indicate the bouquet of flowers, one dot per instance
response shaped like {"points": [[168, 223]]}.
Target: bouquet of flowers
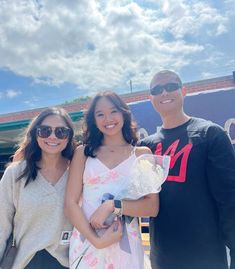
{"points": [[147, 175]]}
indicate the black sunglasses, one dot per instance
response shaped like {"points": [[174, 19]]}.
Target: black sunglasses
{"points": [[44, 131], [169, 87]]}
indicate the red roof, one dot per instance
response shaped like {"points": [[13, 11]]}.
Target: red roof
{"points": [[192, 87]]}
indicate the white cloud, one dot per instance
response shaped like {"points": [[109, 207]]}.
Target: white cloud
{"points": [[192, 18], [104, 44], [32, 102], [10, 94]]}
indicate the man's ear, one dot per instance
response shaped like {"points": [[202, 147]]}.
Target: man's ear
{"points": [[184, 91]]}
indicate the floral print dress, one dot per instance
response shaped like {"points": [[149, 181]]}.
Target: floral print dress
{"points": [[99, 181]]}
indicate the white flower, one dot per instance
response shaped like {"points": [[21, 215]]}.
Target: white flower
{"points": [[146, 176]]}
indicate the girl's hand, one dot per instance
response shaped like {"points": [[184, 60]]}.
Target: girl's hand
{"points": [[112, 235], [98, 218]]}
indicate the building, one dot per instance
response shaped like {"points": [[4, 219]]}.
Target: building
{"points": [[212, 99]]}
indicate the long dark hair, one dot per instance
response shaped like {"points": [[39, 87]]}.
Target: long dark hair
{"points": [[93, 138], [29, 149]]}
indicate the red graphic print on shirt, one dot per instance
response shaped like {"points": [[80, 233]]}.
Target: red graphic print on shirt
{"points": [[171, 151]]}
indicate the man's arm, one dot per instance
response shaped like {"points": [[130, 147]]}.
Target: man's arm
{"points": [[221, 176]]}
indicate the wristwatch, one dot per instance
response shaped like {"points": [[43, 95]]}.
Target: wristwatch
{"points": [[117, 207]]}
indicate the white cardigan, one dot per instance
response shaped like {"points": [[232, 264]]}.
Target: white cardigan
{"points": [[39, 219]]}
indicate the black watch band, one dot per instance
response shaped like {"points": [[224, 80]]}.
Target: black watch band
{"points": [[117, 207]]}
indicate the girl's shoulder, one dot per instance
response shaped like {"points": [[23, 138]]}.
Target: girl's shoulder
{"points": [[12, 172], [16, 166], [142, 150], [79, 153], [80, 149]]}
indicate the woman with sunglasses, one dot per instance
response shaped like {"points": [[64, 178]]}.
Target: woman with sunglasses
{"points": [[32, 193], [98, 171]]}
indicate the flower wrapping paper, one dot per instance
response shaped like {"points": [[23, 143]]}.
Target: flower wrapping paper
{"points": [[147, 175]]}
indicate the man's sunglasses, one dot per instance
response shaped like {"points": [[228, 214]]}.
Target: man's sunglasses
{"points": [[169, 87], [45, 131]]}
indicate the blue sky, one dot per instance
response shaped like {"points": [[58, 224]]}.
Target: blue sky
{"points": [[55, 51]]}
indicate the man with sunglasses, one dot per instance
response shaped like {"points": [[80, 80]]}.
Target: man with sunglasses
{"points": [[197, 202]]}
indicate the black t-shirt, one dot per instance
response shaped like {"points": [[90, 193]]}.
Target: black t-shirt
{"points": [[197, 202]]}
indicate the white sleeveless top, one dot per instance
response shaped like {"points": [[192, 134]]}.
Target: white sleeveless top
{"points": [[98, 180]]}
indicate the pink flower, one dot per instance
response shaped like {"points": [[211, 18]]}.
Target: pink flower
{"points": [[134, 233], [75, 234], [93, 262], [88, 257], [94, 180], [111, 177]]}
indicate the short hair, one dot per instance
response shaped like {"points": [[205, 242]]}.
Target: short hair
{"points": [[165, 73]]}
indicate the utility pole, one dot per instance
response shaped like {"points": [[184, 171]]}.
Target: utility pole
{"points": [[131, 85]]}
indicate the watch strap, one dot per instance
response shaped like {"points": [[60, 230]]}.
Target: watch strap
{"points": [[118, 208]]}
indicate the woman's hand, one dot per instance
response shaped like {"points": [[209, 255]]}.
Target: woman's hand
{"points": [[112, 235], [98, 218]]}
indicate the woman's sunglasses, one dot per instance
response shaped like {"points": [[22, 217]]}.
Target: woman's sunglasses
{"points": [[169, 87], [45, 131]]}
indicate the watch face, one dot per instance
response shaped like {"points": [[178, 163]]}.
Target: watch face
{"points": [[117, 204]]}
